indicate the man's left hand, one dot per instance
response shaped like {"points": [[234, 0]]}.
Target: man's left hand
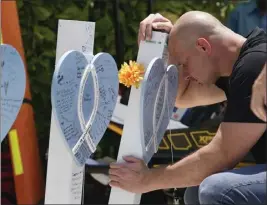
{"points": [[130, 176]]}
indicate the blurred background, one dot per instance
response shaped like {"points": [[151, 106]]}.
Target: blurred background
{"points": [[117, 24]]}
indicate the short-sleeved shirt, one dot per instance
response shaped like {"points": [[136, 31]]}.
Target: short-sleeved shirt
{"points": [[238, 86]]}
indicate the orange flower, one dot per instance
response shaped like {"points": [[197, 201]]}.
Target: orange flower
{"points": [[131, 74]]}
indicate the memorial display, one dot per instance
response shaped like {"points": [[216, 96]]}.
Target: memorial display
{"points": [[149, 108]]}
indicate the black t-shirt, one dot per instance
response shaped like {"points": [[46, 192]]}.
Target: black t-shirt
{"points": [[238, 86]]}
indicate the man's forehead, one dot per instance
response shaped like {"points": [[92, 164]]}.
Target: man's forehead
{"points": [[176, 52]]}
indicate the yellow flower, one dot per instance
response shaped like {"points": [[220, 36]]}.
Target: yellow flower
{"points": [[131, 74]]}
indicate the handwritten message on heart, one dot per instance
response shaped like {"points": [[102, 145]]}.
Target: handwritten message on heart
{"points": [[13, 83], [84, 96], [158, 95]]}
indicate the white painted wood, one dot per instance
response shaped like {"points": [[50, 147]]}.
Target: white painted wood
{"points": [[64, 182], [131, 136]]}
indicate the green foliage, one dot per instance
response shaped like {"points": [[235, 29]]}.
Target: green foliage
{"points": [[173, 9], [39, 18]]}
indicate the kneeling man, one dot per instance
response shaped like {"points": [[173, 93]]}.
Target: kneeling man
{"points": [[215, 64]]}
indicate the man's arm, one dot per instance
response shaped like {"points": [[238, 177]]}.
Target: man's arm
{"points": [[258, 101], [225, 150]]}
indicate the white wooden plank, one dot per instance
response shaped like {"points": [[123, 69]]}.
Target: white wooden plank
{"points": [[64, 178], [131, 138]]}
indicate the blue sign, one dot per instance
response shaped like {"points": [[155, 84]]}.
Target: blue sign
{"points": [[13, 83]]}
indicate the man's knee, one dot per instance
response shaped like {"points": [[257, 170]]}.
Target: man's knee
{"points": [[207, 193], [210, 190], [191, 196], [239, 186]]}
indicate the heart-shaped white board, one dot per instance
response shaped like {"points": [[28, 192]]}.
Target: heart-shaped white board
{"points": [[84, 96], [158, 93], [171, 78], [13, 83]]}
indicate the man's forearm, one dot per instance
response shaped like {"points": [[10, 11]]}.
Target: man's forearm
{"points": [[190, 171], [262, 76]]}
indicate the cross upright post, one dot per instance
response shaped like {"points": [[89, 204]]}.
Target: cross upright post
{"points": [[64, 182], [131, 140]]}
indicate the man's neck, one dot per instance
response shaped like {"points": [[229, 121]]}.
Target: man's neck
{"points": [[231, 53]]}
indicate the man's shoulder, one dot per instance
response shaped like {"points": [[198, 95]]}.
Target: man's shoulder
{"points": [[251, 62], [252, 57], [247, 69]]}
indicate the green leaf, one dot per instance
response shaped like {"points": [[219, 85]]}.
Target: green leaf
{"points": [[35, 89], [34, 3], [43, 77], [20, 4], [44, 33], [71, 12], [104, 25], [33, 68], [141, 7], [122, 17], [129, 39], [41, 13], [49, 53]]}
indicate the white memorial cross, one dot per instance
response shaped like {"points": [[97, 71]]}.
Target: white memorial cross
{"points": [[84, 94], [149, 109], [13, 84]]}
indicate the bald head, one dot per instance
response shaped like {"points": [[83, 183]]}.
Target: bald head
{"points": [[197, 41], [195, 24]]}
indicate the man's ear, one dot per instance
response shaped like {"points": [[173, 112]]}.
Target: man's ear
{"points": [[203, 45]]}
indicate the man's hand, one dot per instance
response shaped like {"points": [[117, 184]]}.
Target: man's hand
{"points": [[129, 176], [258, 101], [153, 21]]}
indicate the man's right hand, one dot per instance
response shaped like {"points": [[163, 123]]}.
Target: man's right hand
{"points": [[153, 21]]}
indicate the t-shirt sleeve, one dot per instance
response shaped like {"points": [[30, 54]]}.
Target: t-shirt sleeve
{"points": [[239, 99]]}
